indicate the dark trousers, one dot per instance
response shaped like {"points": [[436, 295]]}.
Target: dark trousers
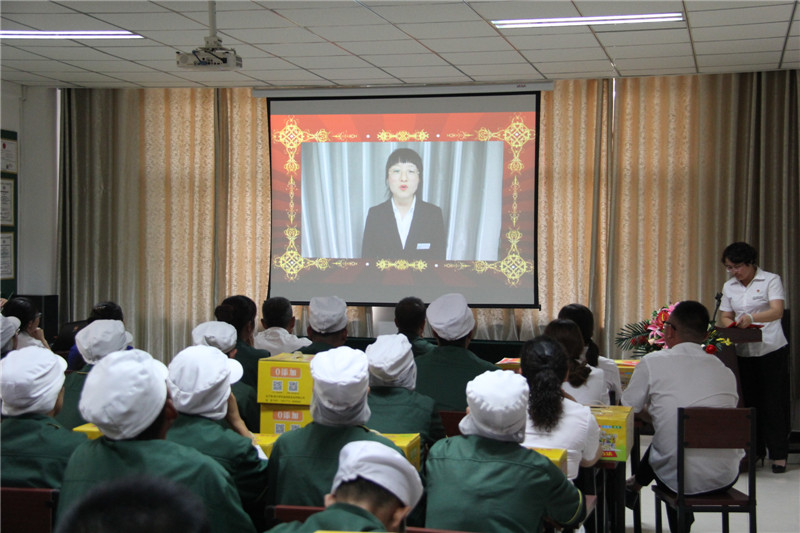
{"points": [[645, 476], [765, 386]]}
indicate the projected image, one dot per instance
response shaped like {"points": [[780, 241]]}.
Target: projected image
{"points": [[377, 199], [415, 201]]}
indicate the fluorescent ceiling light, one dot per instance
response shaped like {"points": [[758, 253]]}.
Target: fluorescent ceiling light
{"points": [[72, 35], [587, 21]]}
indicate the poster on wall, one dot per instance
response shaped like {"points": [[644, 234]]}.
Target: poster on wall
{"points": [[7, 202], [7, 256], [9, 154]]}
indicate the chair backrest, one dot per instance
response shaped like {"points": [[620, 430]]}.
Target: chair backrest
{"points": [[28, 510], [450, 420], [291, 513]]}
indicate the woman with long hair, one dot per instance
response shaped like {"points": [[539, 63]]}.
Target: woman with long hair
{"points": [[585, 383]]}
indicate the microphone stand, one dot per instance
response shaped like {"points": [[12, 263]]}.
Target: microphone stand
{"points": [[718, 298]]}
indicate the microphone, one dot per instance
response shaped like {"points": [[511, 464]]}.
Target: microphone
{"points": [[718, 298]]}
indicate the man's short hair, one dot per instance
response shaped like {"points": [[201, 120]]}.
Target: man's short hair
{"points": [[691, 317], [740, 253], [368, 493], [409, 315], [277, 312], [136, 504]]}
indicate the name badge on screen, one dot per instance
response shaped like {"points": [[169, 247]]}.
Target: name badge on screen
{"points": [[423, 246]]}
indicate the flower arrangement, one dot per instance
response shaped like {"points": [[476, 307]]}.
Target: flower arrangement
{"points": [[648, 335]]}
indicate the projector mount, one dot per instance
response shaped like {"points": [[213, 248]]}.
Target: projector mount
{"points": [[212, 55]]}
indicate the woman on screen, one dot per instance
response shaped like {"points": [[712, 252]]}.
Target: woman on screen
{"points": [[404, 227]]}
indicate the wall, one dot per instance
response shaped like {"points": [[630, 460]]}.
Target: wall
{"points": [[33, 113]]}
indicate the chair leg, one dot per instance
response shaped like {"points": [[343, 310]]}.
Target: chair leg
{"points": [[753, 524], [726, 527], [681, 519], [658, 515], [637, 516]]}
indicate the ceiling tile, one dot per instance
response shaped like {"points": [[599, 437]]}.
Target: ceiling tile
{"points": [[565, 54], [53, 22], [575, 66], [516, 72], [650, 50], [589, 8], [745, 31], [621, 38], [747, 15], [410, 13], [273, 36], [384, 47], [738, 45], [405, 60], [654, 62], [549, 42], [304, 50], [483, 58], [762, 58], [330, 62], [353, 74], [366, 32], [524, 9], [249, 19], [419, 72], [479, 44], [331, 16], [444, 30]]}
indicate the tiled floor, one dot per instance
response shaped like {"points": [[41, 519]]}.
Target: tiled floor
{"points": [[778, 497]]}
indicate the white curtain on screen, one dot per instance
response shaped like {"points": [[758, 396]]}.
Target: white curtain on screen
{"points": [[341, 181]]}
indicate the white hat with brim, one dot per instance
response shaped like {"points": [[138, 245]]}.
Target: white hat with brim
{"points": [[30, 381], [100, 338], [498, 406], [450, 317], [200, 379], [379, 464], [124, 393], [9, 326], [327, 314], [220, 335]]}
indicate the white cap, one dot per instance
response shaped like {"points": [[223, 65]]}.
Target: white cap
{"points": [[100, 338], [30, 380], [9, 326], [124, 393], [498, 406], [391, 362], [220, 335], [381, 465], [341, 377], [450, 316], [327, 314], [200, 379]]}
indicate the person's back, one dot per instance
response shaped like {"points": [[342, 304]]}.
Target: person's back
{"points": [[593, 391], [278, 322], [35, 447]]}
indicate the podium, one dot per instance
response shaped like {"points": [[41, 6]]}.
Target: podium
{"points": [[728, 353]]}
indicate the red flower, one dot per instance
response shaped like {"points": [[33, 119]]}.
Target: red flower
{"points": [[710, 348]]}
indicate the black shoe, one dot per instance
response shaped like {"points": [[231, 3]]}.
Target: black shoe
{"points": [[631, 498], [776, 469]]}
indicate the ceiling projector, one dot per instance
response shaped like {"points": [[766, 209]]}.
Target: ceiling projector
{"points": [[209, 59]]}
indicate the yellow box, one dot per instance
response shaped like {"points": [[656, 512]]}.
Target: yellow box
{"points": [[276, 418], [90, 430], [509, 363], [409, 443], [285, 379], [557, 455], [625, 367], [616, 431], [266, 440]]}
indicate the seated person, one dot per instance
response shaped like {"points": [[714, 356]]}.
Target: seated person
{"points": [[409, 317], [327, 324], [10, 330], [199, 383], [303, 461], [222, 336], [94, 342], [553, 420], [443, 372], [135, 505], [585, 384], [125, 395], [101, 311], [484, 481], [682, 375], [30, 334], [582, 315], [35, 447], [374, 489], [396, 407], [240, 312], [278, 322]]}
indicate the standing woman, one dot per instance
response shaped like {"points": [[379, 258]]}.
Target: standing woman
{"points": [[404, 227], [240, 312], [753, 296]]}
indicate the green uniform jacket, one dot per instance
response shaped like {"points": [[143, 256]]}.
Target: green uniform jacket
{"points": [[69, 416], [443, 375], [233, 451], [35, 450], [249, 356], [315, 348], [303, 462], [479, 484], [420, 346], [248, 405], [103, 460], [399, 410], [337, 517]]}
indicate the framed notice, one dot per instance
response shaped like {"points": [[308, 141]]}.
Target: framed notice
{"points": [[7, 202], [8, 156], [6, 255]]}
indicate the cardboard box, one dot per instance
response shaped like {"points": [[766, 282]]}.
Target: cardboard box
{"points": [[278, 418], [509, 363], [409, 443], [616, 431], [90, 430], [557, 455], [266, 440], [285, 379], [625, 367]]}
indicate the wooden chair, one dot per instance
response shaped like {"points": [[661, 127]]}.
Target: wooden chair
{"points": [[712, 428], [28, 510], [450, 420]]}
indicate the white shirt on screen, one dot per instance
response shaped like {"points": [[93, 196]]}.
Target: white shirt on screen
{"points": [[404, 221]]}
